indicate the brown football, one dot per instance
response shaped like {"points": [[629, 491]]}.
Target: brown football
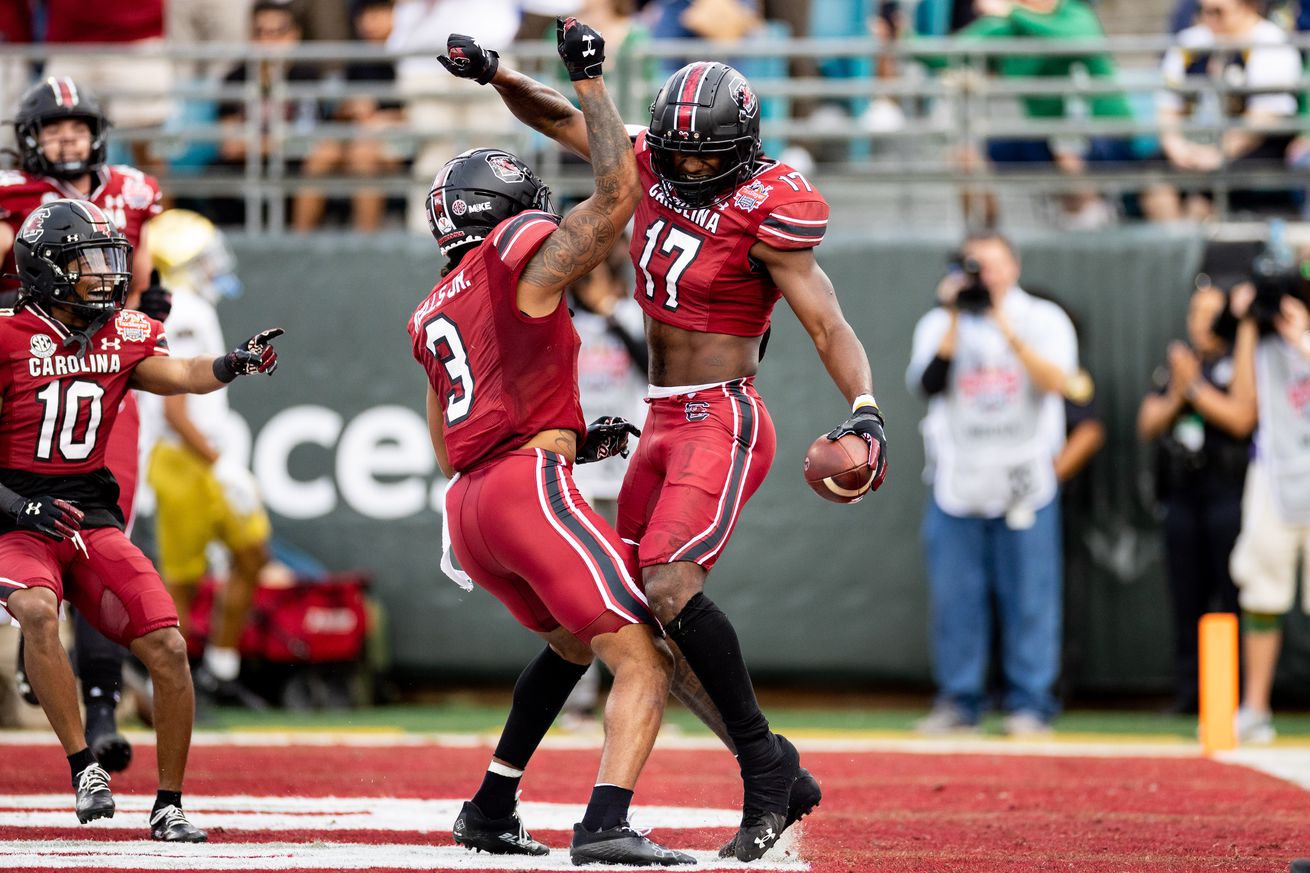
{"points": [[838, 470]]}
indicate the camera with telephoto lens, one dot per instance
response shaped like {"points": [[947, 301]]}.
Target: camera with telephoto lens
{"points": [[1274, 279], [974, 296]]}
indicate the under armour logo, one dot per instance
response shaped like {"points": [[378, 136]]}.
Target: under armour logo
{"points": [[766, 838], [33, 509], [108, 343], [588, 51]]}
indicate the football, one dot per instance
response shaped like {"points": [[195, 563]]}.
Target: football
{"points": [[838, 470]]}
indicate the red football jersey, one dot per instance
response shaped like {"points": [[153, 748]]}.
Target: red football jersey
{"points": [[502, 376], [693, 266], [104, 20], [129, 197], [58, 409]]}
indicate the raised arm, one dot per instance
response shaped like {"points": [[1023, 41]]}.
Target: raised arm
{"points": [[541, 108], [587, 233]]}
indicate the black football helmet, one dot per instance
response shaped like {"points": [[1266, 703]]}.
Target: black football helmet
{"points": [[64, 240], [706, 109], [54, 99], [476, 191]]}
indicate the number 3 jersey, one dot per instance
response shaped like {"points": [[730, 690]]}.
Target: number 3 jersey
{"points": [[59, 408], [693, 266], [502, 377]]}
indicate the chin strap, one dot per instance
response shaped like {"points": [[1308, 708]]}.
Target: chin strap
{"points": [[83, 337]]}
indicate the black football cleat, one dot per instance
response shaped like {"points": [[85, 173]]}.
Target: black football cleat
{"points": [[765, 804], [93, 797], [111, 749], [499, 836], [621, 845], [805, 796], [169, 824]]}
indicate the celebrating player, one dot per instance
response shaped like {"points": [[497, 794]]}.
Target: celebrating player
{"points": [[721, 233], [62, 137], [70, 352], [501, 355]]}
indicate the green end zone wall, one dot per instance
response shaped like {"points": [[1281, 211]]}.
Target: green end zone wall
{"points": [[817, 591]]}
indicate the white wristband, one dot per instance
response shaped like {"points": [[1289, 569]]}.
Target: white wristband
{"points": [[864, 400]]}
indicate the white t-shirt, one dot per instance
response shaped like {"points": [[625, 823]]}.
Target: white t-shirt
{"points": [[1271, 64], [425, 25], [991, 437], [193, 329]]}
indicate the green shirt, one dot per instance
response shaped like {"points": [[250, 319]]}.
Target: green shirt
{"points": [[1071, 19]]}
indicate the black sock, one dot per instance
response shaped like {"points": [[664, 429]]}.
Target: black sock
{"points": [[496, 795], [79, 761], [607, 808], [166, 798], [539, 695], [709, 643]]}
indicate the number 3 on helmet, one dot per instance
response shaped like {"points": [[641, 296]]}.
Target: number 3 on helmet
{"points": [[706, 109]]}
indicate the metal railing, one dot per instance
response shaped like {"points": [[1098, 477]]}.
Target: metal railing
{"points": [[941, 114]]}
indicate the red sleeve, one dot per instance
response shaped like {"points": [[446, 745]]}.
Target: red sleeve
{"points": [[795, 224], [517, 238]]}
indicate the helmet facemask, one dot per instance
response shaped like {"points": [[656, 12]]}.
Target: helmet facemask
{"points": [[697, 192], [92, 280], [38, 163]]}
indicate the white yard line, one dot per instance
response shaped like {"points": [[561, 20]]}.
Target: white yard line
{"points": [[1290, 764], [327, 814], [148, 855]]}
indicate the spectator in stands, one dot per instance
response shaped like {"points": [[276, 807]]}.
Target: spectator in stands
{"points": [[720, 20], [1200, 467], [360, 156], [192, 22], [442, 123], [15, 73], [271, 25], [323, 20], [1271, 68], [1047, 19], [138, 24], [994, 362]]}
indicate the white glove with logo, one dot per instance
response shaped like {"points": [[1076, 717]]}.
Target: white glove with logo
{"points": [[239, 486]]}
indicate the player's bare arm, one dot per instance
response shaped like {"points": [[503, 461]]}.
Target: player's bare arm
{"points": [[542, 108], [586, 235], [201, 375], [809, 293]]}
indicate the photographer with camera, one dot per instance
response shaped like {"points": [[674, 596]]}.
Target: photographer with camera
{"points": [[1201, 458], [1271, 387], [994, 362]]}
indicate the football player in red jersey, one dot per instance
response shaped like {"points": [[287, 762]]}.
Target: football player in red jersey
{"points": [[501, 355], [721, 234], [62, 137], [69, 352]]}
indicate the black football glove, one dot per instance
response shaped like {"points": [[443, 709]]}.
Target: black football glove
{"points": [[156, 301], [466, 59], [255, 355], [55, 518], [581, 48], [867, 422], [606, 437]]}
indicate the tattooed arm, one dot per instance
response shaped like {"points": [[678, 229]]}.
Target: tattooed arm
{"points": [[543, 109], [586, 235]]}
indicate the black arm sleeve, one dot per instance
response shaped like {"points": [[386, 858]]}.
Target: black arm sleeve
{"points": [[934, 376]]}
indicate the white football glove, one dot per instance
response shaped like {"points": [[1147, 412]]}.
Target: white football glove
{"points": [[239, 486]]}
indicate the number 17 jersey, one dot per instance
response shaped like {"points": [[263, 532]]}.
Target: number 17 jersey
{"points": [[693, 266]]}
